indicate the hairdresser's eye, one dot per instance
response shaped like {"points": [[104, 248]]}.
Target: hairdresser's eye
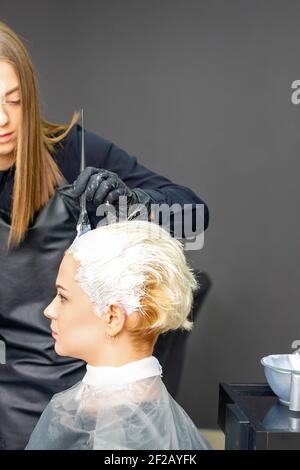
{"points": [[14, 102]]}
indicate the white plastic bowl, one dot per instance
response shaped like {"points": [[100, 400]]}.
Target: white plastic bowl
{"points": [[278, 371]]}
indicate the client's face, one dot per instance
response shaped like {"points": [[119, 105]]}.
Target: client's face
{"points": [[77, 331]]}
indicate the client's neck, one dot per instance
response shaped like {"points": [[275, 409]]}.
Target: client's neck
{"points": [[118, 352]]}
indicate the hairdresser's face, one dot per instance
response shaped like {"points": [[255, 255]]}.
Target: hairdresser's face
{"points": [[77, 331], [10, 114]]}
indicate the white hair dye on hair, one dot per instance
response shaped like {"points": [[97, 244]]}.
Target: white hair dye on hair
{"points": [[108, 272], [117, 259]]}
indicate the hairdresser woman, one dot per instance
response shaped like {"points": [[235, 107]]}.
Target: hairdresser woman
{"points": [[39, 162]]}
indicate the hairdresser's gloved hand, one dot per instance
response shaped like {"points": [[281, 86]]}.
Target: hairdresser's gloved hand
{"points": [[101, 186]]}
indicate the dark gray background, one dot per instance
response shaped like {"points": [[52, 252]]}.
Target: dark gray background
{"points": [[199, 91]]}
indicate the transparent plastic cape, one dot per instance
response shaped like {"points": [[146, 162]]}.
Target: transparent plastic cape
{"points": [[137, 415]]}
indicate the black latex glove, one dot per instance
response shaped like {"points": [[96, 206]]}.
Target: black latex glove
{"points": [[101, 186]]}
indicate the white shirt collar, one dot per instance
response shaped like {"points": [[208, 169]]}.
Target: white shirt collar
{"points": [[131, 372]]}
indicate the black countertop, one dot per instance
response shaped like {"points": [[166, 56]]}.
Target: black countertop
{"points": [[252, 417]]}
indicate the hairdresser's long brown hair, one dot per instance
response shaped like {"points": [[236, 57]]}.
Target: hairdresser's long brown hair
{"points": [[36, 174]]}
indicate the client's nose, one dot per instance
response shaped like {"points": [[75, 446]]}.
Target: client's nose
{"points": [[49, 311]]}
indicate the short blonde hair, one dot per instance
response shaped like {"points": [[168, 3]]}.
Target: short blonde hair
{"points": [[139, 265]]}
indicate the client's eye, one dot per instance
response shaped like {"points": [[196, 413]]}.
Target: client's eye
{"points": [[61, 297]]}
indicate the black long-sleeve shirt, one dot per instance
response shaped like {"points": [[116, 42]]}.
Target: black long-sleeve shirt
{"points": [[101, 153]]}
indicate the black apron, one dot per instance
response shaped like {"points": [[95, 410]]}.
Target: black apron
{"points": [[33, 371]]}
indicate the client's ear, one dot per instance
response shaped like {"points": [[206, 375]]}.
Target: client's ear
{"points": [[115, 319]]}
